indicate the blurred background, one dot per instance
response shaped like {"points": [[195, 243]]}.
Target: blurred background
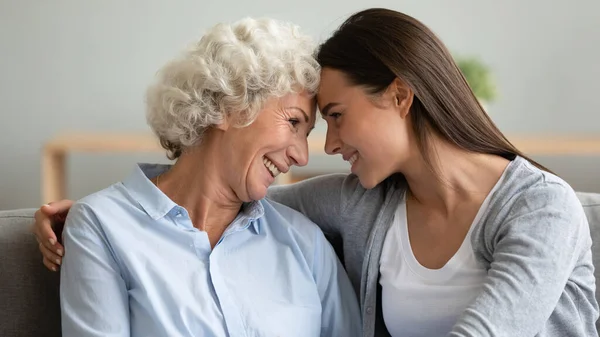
{"points": [[82, 66]]}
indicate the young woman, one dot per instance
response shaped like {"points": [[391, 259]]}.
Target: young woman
{"points": [[444, 227]]}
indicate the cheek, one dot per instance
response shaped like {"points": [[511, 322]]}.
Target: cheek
{"points": [[250, 152], [237, 160], [364, 137], [385, 142]]}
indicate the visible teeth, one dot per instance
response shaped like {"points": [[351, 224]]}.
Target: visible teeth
{"points": [[272, 168], [353, 159]]}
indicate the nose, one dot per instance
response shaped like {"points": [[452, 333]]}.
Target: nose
{"points": [[333, 145], [298, 152]]}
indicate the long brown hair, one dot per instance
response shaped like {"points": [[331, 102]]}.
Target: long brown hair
{"points": [[374, 46]]}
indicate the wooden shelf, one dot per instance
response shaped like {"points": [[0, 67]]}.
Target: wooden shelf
{"points": [[557, 145], [57, 149], [104, 142]]}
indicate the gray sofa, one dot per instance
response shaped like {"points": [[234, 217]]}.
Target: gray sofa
{"points": [[29, 303]]}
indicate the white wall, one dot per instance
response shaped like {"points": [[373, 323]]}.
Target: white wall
{"points": [[83, 65]]}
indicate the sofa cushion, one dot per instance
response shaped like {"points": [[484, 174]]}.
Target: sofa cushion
{"points": [[591, 205], [29, 302]]}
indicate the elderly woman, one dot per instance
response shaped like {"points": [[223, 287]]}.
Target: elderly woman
{"points": [[194, 249]]}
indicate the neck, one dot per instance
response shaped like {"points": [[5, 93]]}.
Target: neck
{"points": [[456, 176], [195, 183]]}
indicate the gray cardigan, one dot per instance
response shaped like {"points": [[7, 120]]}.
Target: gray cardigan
{"points": [[533, 240]]}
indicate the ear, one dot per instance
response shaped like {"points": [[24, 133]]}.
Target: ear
{"points": [[402, 96]]}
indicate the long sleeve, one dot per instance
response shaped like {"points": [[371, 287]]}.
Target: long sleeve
{"points": [[93, 293], [341, 313], [540, 260], [321, 199]]}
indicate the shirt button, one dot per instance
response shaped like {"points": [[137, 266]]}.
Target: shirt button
{"points": [[369, 310]]}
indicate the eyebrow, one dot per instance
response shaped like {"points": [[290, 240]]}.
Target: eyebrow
{"points": [[306, 119], [328, 107]]}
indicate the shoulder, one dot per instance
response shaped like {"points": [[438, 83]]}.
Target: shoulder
{"points": [[280, 215], [532, 202], [91, 211], [103, 200], [285, 224], [527, 188]]}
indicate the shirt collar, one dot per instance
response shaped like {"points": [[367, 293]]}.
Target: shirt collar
{"points": [[253, 211], [156, 204], [153, 201]]}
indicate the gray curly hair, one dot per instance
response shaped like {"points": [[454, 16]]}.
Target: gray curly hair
{"points": [[229, 73]]}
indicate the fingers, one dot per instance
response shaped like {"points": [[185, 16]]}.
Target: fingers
{"points": [[46, 232], [45, 218], [50, 256], [50, 265], [47, 240], [60, 208], [42, 228]]}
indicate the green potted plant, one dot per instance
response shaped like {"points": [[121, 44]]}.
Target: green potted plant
{"points": [[479, 77]]}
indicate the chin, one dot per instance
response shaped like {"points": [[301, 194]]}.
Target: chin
{"points": [[369, 181], [257, 192]]}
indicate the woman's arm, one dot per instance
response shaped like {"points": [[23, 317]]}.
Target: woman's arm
{"points": [[93, 293], [534, 252], [322, 199]]}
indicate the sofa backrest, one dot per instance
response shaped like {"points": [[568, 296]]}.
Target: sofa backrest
{"points": [[591, 205], [29, 302], [29, 299]]}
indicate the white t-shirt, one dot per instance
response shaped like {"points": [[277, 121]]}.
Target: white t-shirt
{"points": [[422, 302]]}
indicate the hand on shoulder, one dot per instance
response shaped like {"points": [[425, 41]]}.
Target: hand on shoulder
{"points": [[47, 228]]}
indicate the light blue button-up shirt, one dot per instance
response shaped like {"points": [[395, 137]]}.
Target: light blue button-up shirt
{"points": [[136, 266]]}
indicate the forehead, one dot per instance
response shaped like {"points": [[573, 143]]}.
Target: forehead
{"points": [[333, 87], [334, 76], [303, 101]]}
